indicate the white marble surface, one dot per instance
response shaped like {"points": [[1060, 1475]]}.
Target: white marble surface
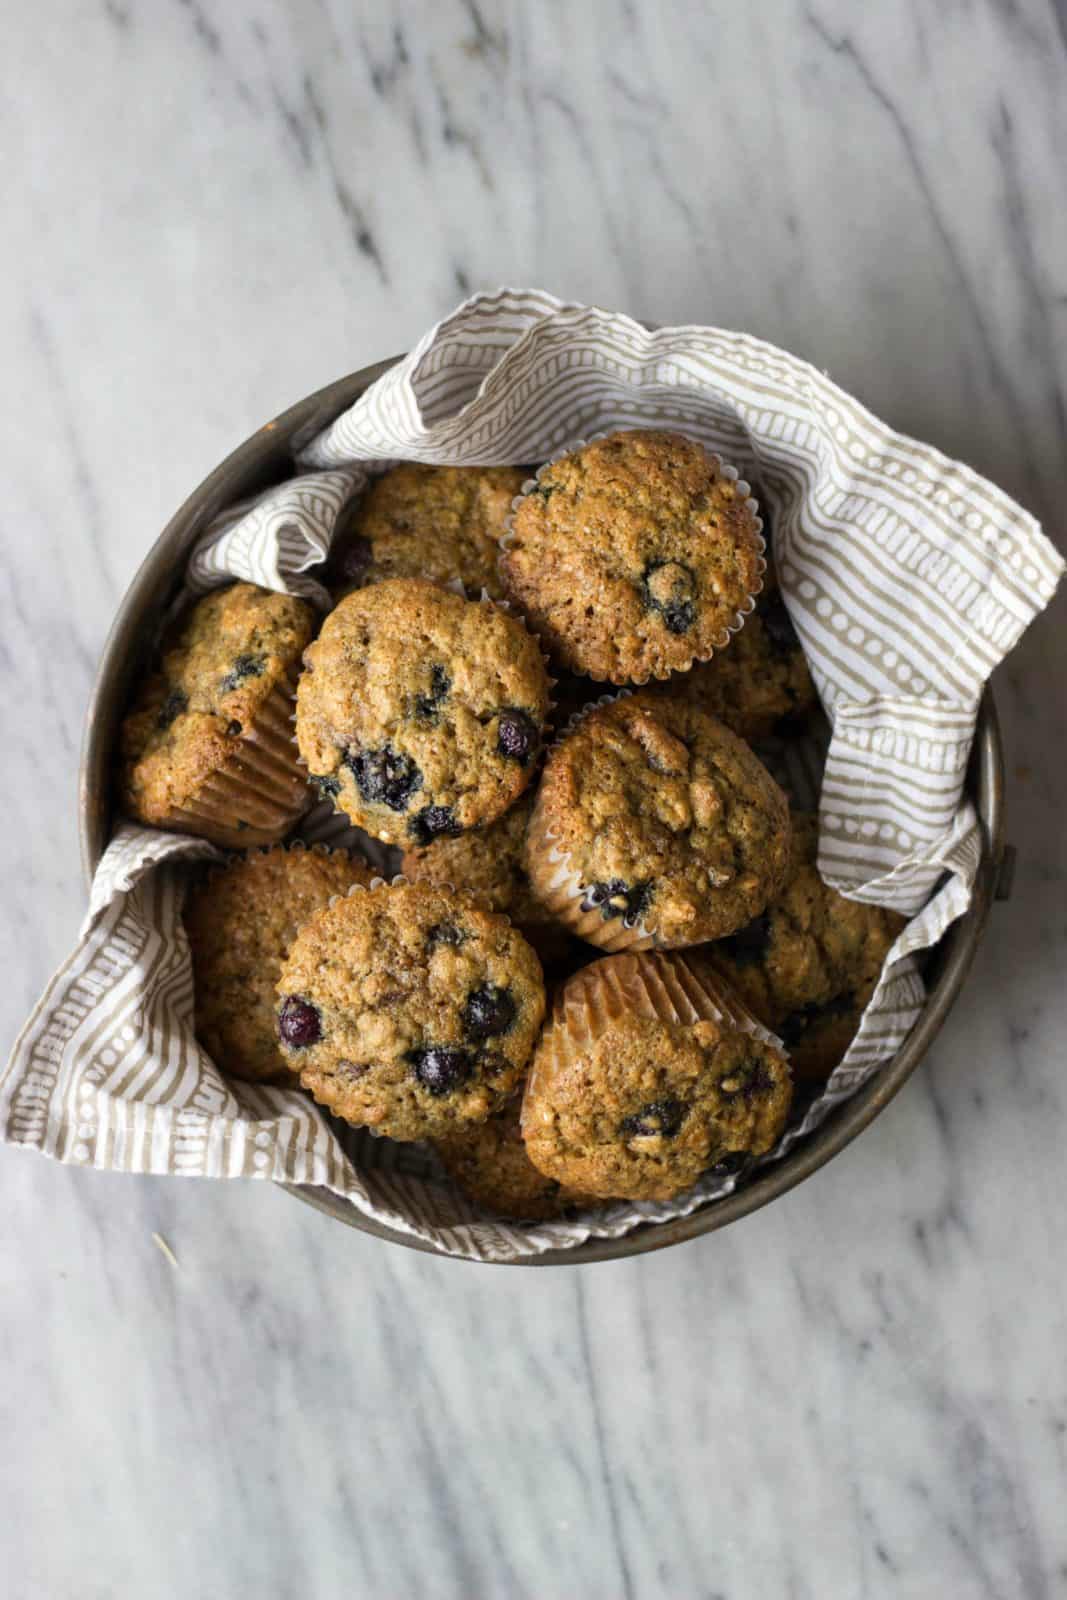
{"points": [[210, 210]]}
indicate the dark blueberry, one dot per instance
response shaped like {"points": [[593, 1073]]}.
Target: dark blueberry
{"points": [[545, 490], [488, 1011], [517, 736], [797, 1023], [327, 787], [244, 667], [425, 706], [444, 933], [352, 561], [615, 899], [734, 1162], [299, 1023], [440, 1068], [669, 588], [384, 777], [433, 821], [779, 627], [749, 944], [664, 1117], [234, 728], [172, 707], [747, 1080]]}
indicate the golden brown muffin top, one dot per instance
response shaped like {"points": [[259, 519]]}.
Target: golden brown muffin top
{"points": [[441, 523], [220, 662], [421, 713], [808, 965], [241, 921], [633, 556], [758, 685], [636, 1106], [409, 1010], [488, 1162], [669, 821]]}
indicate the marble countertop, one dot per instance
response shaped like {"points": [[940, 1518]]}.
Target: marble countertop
{"points": [[860, 1391]]}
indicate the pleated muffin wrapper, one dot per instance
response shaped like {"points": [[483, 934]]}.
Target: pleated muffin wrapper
{"points": [[662, 986], [260, 792], [723, 470]]}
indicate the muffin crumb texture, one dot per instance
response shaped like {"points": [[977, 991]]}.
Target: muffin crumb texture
{"points": [[632, 1095], [409, 1010], [808, 965], [633, 556], [241, 921], [420, 713], [655, 823], [440, 523]]}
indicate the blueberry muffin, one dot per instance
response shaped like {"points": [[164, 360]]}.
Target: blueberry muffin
{"points": [[645, 1078], [488, 864], [419, 712], [441, 523], [633, 556], [654, 824], [207, 747], [760, 684], [241, 920], [808, 965], [488, 1162], [409, 1010]]}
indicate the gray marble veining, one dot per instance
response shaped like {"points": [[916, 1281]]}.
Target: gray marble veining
{"points": [[861, 1391]]}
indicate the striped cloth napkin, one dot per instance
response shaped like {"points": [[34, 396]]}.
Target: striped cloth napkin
{"points": [[908, 578]]}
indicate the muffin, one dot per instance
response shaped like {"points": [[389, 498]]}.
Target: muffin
{"points": [[654, 824], [488, 864], [419, 712], [488, 1162], [441, 523], [208, 746], [634, 556], [760, 685], [409, 1010], [808, 965], [241, 920], [646, 1077]]}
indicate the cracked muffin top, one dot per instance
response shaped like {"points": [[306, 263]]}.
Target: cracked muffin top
{"points": [[220, 663], [758, 685], [419, 712], [441, 523], [665, 818], [808, 965], [241, 921], [409, 1010], [623, 1104], [632, 556]]}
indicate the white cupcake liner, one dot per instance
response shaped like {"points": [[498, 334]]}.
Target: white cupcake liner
{"points": [[725, 470]]}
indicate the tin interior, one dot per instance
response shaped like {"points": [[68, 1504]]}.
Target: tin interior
{"points": [[266, 458]]}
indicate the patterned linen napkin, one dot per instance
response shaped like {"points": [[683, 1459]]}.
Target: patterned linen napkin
{"points": [[908, 578]]}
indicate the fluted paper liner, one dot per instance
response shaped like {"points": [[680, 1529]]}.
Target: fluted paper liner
{"points": [[908, 578], [666, 986], [261, 791]]}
